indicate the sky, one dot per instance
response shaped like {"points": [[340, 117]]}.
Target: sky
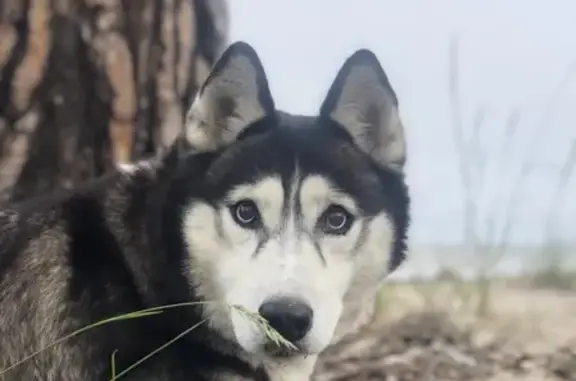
{"points": [[516, 62]]}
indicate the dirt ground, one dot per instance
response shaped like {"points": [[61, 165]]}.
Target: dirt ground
{"points": [[434, 333]]}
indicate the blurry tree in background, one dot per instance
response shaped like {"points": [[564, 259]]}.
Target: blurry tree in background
{"points": [[489, 218], [87, 83]]}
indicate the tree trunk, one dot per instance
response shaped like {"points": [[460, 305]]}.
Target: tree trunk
{"points": [[87, 83]]}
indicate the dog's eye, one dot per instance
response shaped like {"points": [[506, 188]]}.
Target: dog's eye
{"points": [[336, 220], [245, 213]]}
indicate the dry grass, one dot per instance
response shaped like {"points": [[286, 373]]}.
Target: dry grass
{"points": [[431, 331], [521, 312]]}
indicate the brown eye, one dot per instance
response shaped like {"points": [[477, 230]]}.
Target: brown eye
{"points": [[246, 214], [336, 220]]}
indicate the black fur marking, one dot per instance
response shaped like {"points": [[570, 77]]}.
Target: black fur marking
{"points": [[319, 251], [261, 244], [364, 230]]}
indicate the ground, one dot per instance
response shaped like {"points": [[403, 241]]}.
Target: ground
{"points": [[435, 332]]}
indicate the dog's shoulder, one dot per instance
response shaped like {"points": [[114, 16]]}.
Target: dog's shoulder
{"points": [[52, 216]]}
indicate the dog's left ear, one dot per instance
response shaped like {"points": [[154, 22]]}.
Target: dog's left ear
{"points": [[233, 97], [362, 102]]}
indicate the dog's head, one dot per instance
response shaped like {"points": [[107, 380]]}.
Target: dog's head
{"points": [[297, 218]]}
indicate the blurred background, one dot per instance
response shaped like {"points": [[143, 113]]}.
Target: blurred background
{"points": [[487, 92]]}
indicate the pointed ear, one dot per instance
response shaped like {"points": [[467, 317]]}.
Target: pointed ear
{"points": [[234, 96], [362, 102]]}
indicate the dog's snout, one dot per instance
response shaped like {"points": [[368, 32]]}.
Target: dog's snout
{"points": [[292, 318]]}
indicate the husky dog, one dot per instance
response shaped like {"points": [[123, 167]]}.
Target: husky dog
{"points": [[296, 218]]}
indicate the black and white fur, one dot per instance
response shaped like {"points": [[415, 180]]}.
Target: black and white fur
{"points": [[300, 218]]}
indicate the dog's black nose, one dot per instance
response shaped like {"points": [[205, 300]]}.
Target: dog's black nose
{"points": [[292, 318]]}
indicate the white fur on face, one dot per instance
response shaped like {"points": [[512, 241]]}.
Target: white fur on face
{"points": [[231, 264]]}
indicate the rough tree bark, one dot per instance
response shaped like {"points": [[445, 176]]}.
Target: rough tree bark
{"points": [[86, 83]]}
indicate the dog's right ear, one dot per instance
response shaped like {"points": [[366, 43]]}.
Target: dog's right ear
{"points": [[235, 95]]}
